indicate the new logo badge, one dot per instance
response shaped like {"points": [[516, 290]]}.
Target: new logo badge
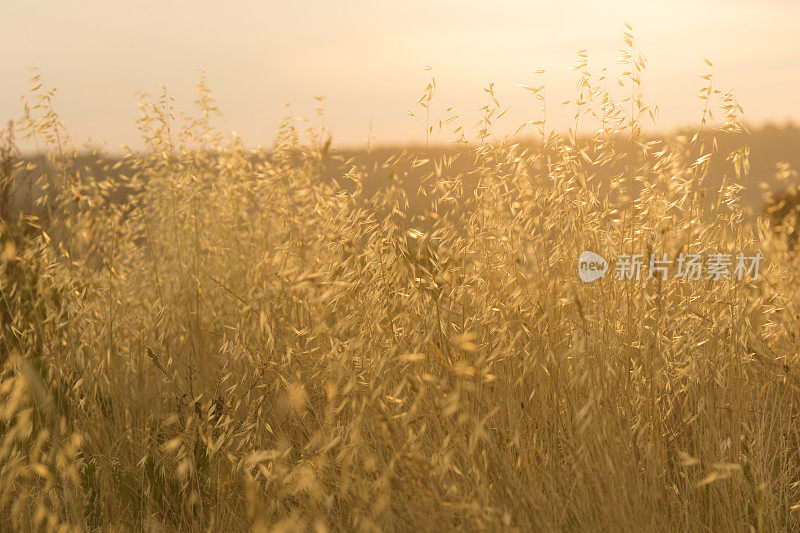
{"points": [[591, 266]]}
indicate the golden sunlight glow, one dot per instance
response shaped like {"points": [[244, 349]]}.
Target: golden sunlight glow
{"points": [[368, 58]]}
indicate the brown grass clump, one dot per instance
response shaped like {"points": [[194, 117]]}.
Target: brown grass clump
{"points": [[8, 157], [223, 340]]}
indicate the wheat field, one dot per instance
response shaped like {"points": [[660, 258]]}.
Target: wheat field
{"points": [[200, 336]]}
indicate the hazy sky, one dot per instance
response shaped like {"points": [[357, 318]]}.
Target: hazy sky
{"points": [[368, 57]]}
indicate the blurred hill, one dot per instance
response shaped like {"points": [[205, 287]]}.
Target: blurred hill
{"points": [[773, 149]]}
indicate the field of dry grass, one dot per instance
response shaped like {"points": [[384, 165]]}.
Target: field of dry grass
{"points": [[245, 341]]}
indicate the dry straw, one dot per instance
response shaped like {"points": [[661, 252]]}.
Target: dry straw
{"points": [[198, 336]]}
